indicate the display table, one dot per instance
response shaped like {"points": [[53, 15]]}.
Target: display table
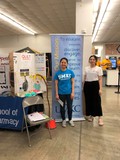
{"points": [[11, 113], [112, 77]]}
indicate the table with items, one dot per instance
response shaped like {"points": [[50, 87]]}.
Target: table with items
{"points": [[11, 112]]}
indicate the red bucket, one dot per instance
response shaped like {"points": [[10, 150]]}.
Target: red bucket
{"points": [[51, 124]]}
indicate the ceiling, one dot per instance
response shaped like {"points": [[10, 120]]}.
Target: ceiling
{"points": [[109, 30], [43, 16], [54, 16]]}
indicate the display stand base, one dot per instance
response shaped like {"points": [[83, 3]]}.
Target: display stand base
{"points": [[118, 82], [117, 92]]}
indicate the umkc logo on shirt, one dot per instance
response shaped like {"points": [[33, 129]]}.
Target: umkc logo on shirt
{"points": [[64, 76]]}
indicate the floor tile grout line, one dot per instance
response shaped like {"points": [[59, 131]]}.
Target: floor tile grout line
{"points": [[80, 140]]}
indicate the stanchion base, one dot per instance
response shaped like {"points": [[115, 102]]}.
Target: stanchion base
{"points": [[117, 92]]}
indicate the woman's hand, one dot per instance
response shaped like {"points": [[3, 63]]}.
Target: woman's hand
{"points": [[100, 92], [57, 96], [72, 95]]}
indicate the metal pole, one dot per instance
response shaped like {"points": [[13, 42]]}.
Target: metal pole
{"points": [[118, 81]]}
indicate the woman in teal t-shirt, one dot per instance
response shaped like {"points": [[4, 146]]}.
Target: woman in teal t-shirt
{"points": [[64, 88]]}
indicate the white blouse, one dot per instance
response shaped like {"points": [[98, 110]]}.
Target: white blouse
{"points": [[92, 74]]}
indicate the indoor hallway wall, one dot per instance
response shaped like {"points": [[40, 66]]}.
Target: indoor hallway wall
{"points": [[84, 26], [39, 43], [102, 50]]}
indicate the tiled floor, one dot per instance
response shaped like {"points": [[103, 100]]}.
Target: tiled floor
{"points": [[86, 141]]}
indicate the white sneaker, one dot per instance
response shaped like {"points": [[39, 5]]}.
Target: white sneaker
{"points": [[71, 123], [64, 123]]}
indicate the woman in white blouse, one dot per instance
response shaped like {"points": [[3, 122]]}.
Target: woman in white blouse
{"points": [[93, 90]]}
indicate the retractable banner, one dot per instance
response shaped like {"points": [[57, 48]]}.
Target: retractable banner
{"points": [[71, 47]]}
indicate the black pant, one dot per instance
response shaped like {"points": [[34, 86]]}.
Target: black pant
{"points": [[92, 99], [66, 98]]}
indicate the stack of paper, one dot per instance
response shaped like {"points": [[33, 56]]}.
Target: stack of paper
{"points": [[36, 116], [60, 102]]}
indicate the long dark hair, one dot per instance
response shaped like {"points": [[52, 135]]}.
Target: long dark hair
{"points": [[93, 57], [64, 59]]}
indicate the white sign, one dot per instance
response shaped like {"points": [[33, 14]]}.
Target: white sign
{"points": [[4, 75]]}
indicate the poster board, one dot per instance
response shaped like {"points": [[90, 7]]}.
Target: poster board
{"points": [[4, 75], [23, 69], [40, 68]]}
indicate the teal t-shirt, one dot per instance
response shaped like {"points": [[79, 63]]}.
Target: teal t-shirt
{"points": [[64, 81]]}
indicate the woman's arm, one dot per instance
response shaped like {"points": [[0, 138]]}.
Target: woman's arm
{"points": [[100, 85], [84, 80], [73, 83], [56, 89]]}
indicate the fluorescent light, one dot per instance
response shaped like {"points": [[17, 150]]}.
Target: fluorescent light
{"points": [[95, 5], [100, 17], [16, 24]]}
